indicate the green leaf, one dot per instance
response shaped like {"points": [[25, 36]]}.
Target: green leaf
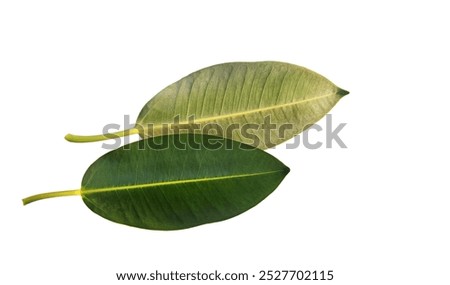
{"points": [[258, 103], [177, 181]]}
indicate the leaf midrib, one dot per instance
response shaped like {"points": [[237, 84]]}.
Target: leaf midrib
{"points": [[166, 183], [243, 113]]}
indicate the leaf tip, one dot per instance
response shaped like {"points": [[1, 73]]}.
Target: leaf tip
{"points": [[342, 92], [286, 170]]}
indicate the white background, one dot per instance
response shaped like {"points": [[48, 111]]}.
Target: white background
{"points": [[375, 213]]}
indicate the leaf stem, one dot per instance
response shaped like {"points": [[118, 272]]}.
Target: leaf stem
{"points": [[41, 196], [102, 137]]}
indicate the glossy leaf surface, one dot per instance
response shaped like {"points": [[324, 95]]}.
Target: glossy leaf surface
{"points": [[179, 181]]}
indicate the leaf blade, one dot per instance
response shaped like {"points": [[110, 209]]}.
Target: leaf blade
{"points": [[218, 184], [242, 93]]}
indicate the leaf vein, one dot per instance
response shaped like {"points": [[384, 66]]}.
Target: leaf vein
{"points": [[166, 183]]}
